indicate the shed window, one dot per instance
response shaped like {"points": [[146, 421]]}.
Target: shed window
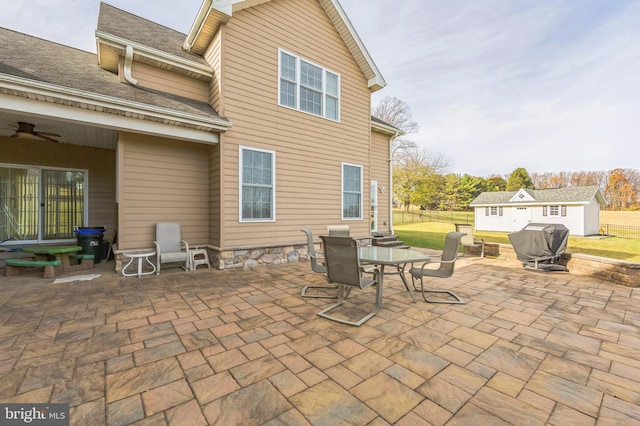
{"points": [[493, 211]]}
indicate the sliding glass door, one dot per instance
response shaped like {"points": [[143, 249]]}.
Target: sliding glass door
{"points": [[41, 204]]}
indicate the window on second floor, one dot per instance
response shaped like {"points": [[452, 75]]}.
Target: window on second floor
{"points": [[257, 185], [308, 87]]}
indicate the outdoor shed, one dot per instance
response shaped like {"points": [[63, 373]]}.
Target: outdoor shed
{"points": [[577, 208]]}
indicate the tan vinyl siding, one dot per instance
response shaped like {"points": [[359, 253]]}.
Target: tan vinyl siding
{"points": [[380, 173], [162, 180], [100, 163], [169, 82], [213, 55], [309, 150], [215, 180]]}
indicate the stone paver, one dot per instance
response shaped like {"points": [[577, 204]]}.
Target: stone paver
{"points": [[241, 347]]}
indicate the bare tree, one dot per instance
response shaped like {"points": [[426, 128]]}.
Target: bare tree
{"points": [[397, 113]]}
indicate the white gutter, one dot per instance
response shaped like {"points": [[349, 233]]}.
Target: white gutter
{"points": [[197, 25], [128, 60], [46, 90], [155, 54]]}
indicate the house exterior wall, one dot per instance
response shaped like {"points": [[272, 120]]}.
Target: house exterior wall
{"points": [[169, 82], [380, 167], [100, 164], [309, 150], [161, 180]]}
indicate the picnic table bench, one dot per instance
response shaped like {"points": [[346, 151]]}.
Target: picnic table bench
{"points": [[15, 266], [55, 259]]}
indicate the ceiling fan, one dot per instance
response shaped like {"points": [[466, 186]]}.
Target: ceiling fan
{"points": [[27, 131]]}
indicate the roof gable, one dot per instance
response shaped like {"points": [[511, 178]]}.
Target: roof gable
{"points": [[521, 195], [214, 13]]}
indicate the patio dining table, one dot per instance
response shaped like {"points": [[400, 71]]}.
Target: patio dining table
{"points": [[383, 256]]}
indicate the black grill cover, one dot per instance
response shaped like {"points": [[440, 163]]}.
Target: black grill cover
{"points": [[540, 242]]}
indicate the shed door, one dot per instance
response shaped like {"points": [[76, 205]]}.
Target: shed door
{"points": [[521, 217]]}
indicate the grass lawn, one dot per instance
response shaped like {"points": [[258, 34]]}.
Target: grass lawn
{"points": [[431, 235]]}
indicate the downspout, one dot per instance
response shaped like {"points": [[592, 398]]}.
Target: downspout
{"points": [[128, 61], [390, 160]]}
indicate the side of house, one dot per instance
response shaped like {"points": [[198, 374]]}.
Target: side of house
{"points": [[244, 130]]}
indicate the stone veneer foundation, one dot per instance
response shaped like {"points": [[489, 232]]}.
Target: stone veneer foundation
{"points": [[249, 258]]}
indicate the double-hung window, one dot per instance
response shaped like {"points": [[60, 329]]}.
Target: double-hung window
{"points": [[257, 185], [351, 191], [308, 87]]}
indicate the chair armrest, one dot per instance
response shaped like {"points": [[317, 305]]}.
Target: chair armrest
{"points": [[437, 262], [155, 243], [185, 244]]}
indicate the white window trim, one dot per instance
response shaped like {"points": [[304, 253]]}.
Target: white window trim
{"points": [[273, 184], [555, 207], [298, 84], [359, 166]]}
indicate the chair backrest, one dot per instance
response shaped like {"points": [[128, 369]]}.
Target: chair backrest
{"points": [[341, 259], [168, 236], [338, 230], [466, 240], [450, 253], [315, 266]]}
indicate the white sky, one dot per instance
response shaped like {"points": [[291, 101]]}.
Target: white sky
{"points": [[549, 85]]}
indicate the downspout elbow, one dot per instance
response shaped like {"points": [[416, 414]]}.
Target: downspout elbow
{"points": [[128, 61]]}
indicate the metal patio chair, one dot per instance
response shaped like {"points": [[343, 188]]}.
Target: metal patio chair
{"points": [[338, 230], [170, 247], [445, 270], [317, 266], [344, 270]]}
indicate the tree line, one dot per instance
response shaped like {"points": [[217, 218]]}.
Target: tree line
{"points": [[420, 177]]}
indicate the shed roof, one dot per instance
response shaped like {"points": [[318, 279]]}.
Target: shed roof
{"points": [[567, 195]]}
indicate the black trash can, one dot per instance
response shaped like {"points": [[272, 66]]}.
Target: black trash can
{"points": [[90, 239]]}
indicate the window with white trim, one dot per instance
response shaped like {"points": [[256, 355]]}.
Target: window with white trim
{"points": [[493, 211], [308, 87], [554, 210], [351, 191], [257, 185]]}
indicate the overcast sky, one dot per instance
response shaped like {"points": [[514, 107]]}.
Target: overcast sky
{"points": [[548, 85]]}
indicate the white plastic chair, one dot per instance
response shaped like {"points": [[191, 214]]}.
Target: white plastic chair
{"points": [[170, 248]]}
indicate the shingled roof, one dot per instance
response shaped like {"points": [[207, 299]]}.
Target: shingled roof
{"points": [[568, 195], [33, 63], [128, 26]]}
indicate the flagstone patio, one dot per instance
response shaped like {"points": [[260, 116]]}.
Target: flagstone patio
{"points": [[241, 347]]}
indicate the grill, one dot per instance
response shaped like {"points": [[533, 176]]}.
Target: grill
{"points": [[540, 246]]}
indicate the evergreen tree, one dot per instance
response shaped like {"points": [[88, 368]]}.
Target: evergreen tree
{"points": [[519, 178]]}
